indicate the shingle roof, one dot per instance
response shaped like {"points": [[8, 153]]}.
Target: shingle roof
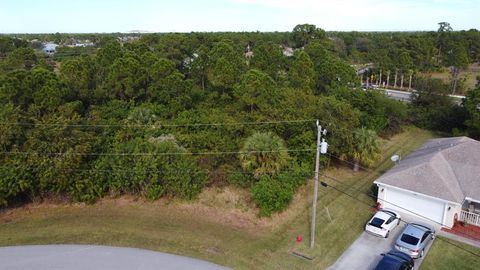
{"points": [[447, 168]]}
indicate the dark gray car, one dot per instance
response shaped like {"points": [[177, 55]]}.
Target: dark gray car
{"points": [[414, 239]]}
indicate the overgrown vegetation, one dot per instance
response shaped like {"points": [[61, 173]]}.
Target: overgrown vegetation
{"points": [[221, 225], [168, 114]]}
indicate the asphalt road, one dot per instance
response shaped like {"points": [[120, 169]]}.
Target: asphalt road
{"points": [[364, 253], [79, 257], [399, 95]]}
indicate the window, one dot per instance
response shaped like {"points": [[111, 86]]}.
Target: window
{"points": [[425, 236], [377, 222], [412, 240], [390, 220]]}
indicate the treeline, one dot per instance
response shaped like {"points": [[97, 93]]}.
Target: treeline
{"points": [[169, 114]]}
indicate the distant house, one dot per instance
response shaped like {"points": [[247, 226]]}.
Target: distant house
{"points": [[84, 44], [288, 51], [440, 181], [50, 48]]}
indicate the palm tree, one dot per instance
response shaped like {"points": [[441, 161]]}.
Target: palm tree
{"points": [[365, 149], [264, 153]]}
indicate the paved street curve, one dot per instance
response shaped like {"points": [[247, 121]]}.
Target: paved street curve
{"points": [[80, 257]]}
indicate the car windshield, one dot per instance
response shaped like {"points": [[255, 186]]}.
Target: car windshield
{"points": [[412, 240], [377, 222]]}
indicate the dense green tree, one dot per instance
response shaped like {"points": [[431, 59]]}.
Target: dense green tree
{"points": [[330, 70], [267, 57], [15, 87], [199, 66], [126, 79], [56, 150], [9, 132], [79, 76], [457, 58], [303, 34], [256, 90], [49, 93], [6, 45], [443, 34], [472, 106], [20, 58], [432, 107], [301, 72], [225, 65], [107, 55]]}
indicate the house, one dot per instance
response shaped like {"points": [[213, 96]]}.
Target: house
{"points": [[50, 48], [439, 181], [288, 51]]}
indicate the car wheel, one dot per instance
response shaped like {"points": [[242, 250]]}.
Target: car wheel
{"points": [[388, 233], [398, 223], [422, 253]]}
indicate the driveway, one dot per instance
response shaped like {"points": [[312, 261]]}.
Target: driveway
{"points": [[79, 257], [364, 253]]}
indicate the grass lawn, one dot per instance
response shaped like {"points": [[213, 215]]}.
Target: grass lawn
{"points": [[221, 225], [444, 256]]}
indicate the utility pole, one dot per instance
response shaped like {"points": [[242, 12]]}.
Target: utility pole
{"points": [[321, 148]]}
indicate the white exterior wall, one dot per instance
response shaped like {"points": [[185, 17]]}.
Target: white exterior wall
{"points": [[411, 203], [450, 215]]}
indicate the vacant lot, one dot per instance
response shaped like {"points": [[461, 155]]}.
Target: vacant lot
{"points": [[220, 226], [468, 76]]}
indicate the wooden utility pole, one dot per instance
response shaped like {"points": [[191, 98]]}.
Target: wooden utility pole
{"points": [[321, 148]]}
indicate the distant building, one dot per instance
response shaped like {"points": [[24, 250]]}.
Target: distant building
{"points": [[84, 44], [50, 48], [288, 51]]}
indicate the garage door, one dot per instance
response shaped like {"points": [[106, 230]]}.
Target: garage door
{"points": [[400, 200]]}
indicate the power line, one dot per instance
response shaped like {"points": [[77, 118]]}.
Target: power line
{"points": [[351, 163], [373, 171], [157, 125], [155, 154], [350, 196], [121, 169]]}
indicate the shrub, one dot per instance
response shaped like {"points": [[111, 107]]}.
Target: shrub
{"points": [[272, 195]]}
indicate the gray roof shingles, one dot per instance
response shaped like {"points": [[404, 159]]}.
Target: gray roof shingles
{"points": [[447, 168]]}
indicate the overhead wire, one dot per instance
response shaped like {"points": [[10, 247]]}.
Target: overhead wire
{"points": [[122, 169], [158, 125], [154, 154]]}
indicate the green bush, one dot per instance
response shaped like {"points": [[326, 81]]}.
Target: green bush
{"points": [[15, 178], [272, 195], [151, 175]]}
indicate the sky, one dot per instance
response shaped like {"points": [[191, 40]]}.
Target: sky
{"points": [[89, 16]]}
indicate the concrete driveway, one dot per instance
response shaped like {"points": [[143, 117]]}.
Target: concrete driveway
{"points": [[364, 253], [79, 257]]}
